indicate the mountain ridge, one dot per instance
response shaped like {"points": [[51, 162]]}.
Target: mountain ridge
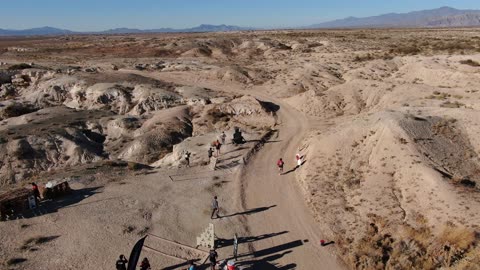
{"points": [[423, 18], [47, 30], [440, 17]]}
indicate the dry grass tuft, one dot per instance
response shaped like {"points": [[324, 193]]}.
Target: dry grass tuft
{"points": [[406, 50], [471, 261], [453, 105], [459, 237], [387, 245], [364, 58], [133, 166]]}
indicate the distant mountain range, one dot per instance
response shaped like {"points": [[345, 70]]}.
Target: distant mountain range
{"points": [[46, 31], [42, 31], [441, 17], [200, 28]]}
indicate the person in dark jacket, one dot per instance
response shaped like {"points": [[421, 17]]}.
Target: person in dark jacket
{"points": [[210, 155], [213, 258], [145, 265], [121, 263]]}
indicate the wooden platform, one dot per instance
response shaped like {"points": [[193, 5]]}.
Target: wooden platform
{"points": [[14, 202]]}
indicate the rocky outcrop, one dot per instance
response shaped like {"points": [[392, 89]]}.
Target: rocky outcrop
{"points": [[7, 90], [463, 20], [27, 156], [113, 97], [52, 121], [14, 109], [5, 77], [157, 136], [150, 99]]}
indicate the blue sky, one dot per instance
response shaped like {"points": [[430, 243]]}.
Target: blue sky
{"points": [[89, 15]]}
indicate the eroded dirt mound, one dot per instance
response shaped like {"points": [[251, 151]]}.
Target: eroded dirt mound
{"points": [[246, 112], [156, 137], [446, 147], [53, 139], [375, 185], [57, 120]]}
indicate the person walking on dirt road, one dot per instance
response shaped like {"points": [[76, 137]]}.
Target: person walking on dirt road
{"points": [[121, 263], [214, 208], [280, 164], [213, 258], [299, 160]]}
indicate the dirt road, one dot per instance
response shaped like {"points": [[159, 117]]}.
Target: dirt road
{"points": [[298, 244]]}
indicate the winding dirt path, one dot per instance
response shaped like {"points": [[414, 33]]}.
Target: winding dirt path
{"points": [[299, 248], [294, 241]]}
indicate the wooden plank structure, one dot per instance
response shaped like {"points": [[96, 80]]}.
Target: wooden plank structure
{"points": [[14, 202], [176, 250], [57, 191]]}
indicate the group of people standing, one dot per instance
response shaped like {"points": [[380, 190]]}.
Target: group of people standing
{"points": [[121, 263], [218, 143], [214, 148]]}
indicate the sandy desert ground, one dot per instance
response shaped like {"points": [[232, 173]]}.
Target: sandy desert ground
{"points": [[386, 120]]}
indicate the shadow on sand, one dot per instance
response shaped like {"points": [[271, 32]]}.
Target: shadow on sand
{"points": [[219, 242], [261, 259], [185, 265], [293, 169], [230, 165], [328, 243], [267, 257], [250, 212], [52, 206]]}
